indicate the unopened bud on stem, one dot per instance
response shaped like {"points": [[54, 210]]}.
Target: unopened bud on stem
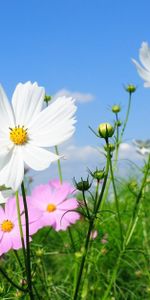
{"points": [[105, 130], [116, 108]]}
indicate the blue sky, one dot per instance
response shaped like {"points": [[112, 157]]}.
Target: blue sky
{"points": [[83, 46]]}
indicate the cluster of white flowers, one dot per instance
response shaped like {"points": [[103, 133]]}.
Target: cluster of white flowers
{"points": [[26, 130]]}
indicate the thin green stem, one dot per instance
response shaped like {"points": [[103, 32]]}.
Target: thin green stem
{"points": [[59, 166], [118, 142], [116, 202], [83, 260], [117, 131], [96, 194], [126, 119], [20, 226], [28, 264], [101, 196], [85, 203], [61, 181], [91, 226], [136, 206]]}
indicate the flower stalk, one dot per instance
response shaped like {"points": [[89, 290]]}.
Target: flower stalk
{"points": [[28, 256], [20, 226], [118, 142], [91, 219]]}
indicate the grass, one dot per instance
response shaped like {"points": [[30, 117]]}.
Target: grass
{"points": [[56, 256]]}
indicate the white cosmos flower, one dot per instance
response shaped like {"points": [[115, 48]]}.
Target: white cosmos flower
{"points": [[144, 55], [25, 129]]}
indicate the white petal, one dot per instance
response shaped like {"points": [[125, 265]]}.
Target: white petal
{"points": [[12, 173], [142, 72], [27, 102], [55, 124], [5, 155], [6, 113], [145, 55], [5, 195], [38, 158]]}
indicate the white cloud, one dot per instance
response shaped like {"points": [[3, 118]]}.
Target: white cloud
{"points": [[80, 97], [128, 151], [83, 154]]}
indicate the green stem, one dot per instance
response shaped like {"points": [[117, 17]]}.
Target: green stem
{"points": [[119, 141], [91, 226], [28, 264], [96, 194], [59, 166], [136, 206], [116, 202], [126, 119], [83, 260], [104, 186], [85, 203], [61, 180], [20, 226], [117, 133]]}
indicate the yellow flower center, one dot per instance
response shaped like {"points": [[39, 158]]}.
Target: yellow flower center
{"points": [[18, 135], [7, 226], [51, 207]]}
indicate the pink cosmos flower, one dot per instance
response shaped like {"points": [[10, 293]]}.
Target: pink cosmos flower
{"points": [[9, 227], [56, 203]]}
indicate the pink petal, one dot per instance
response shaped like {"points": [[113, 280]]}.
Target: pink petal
{"points": [[11, 208], [57, 184], [5, 243], [41, 196], [35, 226], [69, 204], [72, 217]]}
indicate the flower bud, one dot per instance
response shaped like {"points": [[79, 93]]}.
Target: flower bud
{"points": [[47, 98], [130, 88], [116, 108], [118, 123], [97, 174], [40, 252], [83, 185], [106, 130], [111, 147]]}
